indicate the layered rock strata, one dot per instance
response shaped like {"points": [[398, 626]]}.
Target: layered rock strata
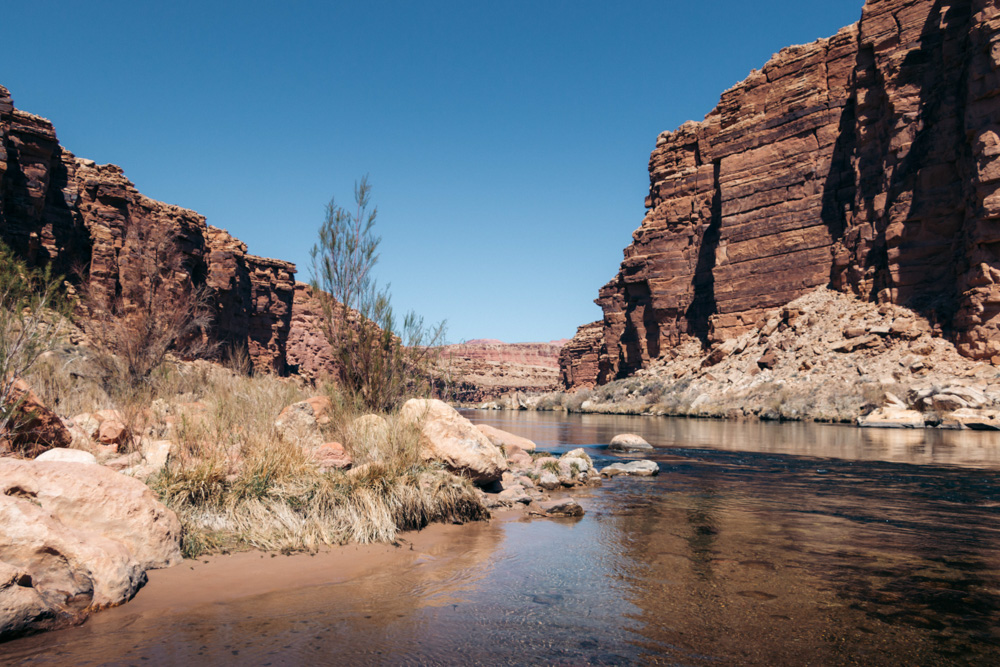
{"points": [[866, 162], [579, 359], [74, 215], [481, 370]]}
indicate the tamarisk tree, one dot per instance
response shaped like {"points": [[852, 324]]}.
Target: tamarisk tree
{"points": [[380, 360]]}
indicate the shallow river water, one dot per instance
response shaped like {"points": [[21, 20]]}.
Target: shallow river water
{"points": [[766, 544]]}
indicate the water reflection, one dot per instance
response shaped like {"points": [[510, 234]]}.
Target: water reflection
{"points": [[979, 449], [754, 560]]}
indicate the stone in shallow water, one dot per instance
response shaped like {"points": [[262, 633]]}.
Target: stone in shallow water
{"points": [[629, 442], [632, 468], [549, 481], [513, 495], [561, 507]]}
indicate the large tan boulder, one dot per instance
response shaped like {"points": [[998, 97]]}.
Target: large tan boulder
{"points": [[977, 420], [75, 537], [505, 439], [38, 428], [450, 438], [629, 442]]}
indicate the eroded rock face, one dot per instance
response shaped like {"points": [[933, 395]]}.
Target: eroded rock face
{"points": [[63, 211], [450, 438], [75, 537], [866, 162], [579, 359]]}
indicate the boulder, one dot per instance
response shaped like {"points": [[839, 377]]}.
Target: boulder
{"points": [[369, 426], [36, 427], [330, 456], [153, 457], [88, 424], [629, 442], [322, 409], [632, 468], [22, 607], [890, 417], [112, 432], [75, 538], [548, 481], [513, 495], [518, 458], [579, 454], [300, 422], [505, 439], [562, 507], [768, 360], [977, 420], [453, 440], [69, 455]]}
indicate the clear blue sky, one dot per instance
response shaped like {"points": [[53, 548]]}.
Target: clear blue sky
{"points": [[507, 142]]}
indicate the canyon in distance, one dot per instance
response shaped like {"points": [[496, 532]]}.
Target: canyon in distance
{"points": [[823, 248]]}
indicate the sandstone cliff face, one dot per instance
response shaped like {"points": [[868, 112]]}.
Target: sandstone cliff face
{"points": [[70, 213], [866, 162], [579, 359]]}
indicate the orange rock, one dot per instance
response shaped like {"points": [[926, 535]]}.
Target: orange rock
{"points": [[322, 409], [37, 427], [112, 432], [331, 455]]}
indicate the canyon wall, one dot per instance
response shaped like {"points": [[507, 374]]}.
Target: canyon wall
{"points": [[76, 216], [483, 370], [867, 162]]}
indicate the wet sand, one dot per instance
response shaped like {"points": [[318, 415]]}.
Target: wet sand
{"points": [[226, 578]]}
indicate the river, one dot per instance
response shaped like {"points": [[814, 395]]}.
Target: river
{"points": [[758, 544]]}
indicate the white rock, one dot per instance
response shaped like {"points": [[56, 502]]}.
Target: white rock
{"points": [[629, 442], [67, 455], [632, 468]]}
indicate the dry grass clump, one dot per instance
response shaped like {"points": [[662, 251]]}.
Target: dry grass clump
{"points": [[236, 483]]}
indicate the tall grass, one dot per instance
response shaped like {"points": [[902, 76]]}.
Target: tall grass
{"points": [[237, 483]]}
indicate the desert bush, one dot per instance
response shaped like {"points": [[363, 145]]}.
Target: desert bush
{"points": [[31, 322], [152, 313], [236, 484], [574, 402], [552, 401], [380, 359]]}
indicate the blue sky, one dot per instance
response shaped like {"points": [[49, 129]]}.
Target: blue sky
{"points": [[507, 142]]}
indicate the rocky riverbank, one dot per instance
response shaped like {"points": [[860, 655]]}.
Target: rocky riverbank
{"points": [[100, 498], [824, 357]]}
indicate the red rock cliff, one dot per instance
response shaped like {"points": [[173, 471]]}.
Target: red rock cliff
{"points": [[866, 162], [60, 210]]}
